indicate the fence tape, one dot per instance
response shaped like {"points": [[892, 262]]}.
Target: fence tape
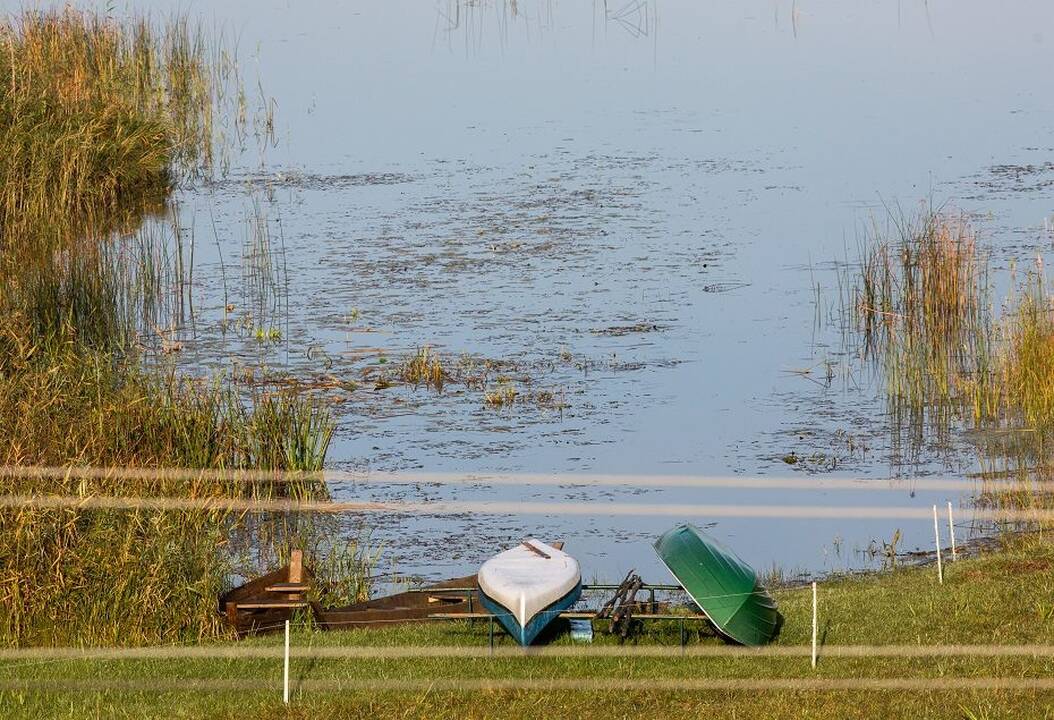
{"points": [[373, 477], [664, 684], [243, 652], [461, 507]]}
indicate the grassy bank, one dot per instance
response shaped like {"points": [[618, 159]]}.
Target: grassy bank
{"points": [[1002, 597], [99, 119]]}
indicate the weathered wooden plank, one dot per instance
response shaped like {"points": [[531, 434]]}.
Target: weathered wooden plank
{"points": [[288, 587]]}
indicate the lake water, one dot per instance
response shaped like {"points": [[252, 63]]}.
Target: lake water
{"points": [[640, 208]]}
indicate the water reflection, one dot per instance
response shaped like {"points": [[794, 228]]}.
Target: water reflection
{"points": [[638, 18], [475, 24]]}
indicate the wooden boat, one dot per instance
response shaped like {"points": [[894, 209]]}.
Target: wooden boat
{"points": [[528, 586], [722, 585], [264, 604], [450, 597]]}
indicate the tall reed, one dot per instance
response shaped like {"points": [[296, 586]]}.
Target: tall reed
{"points": [[134, 577], [923, 309]]}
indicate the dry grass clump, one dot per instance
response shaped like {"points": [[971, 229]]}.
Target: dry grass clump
{"points": [[504, 395]]}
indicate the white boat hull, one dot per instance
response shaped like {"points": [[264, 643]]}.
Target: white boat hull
{"points": [[528, 587]]}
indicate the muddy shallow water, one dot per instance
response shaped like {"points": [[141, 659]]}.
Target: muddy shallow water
{"points": [[635, 213]]}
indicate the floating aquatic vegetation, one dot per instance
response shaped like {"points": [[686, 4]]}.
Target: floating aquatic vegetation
{"points": [[503, 395], [620, 330], [424, 368]]}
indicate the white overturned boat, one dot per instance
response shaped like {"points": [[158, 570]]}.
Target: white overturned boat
{"points": [[528, 587]]}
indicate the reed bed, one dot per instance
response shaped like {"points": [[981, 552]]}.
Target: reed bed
{"points": [[923, 310], [94, 111], [1021, 444], [924, 316], [99, 120], [135, 577], [1029, 368]]}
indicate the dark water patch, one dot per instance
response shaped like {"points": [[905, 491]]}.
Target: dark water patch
{"points": [[634, 329], [1004, 180]]}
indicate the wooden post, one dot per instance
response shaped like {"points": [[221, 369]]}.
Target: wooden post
{"points": [[232, 614], [296, 571], [814, 624], [951, 531], [285, 672], [296, 566], [937, 542]]}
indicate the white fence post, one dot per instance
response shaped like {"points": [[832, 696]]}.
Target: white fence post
{"points": [[285, 673], [937, 542], [814, 624], [951, 531]]}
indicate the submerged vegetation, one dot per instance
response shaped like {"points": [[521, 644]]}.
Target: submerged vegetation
{"points": [[99, 121]]}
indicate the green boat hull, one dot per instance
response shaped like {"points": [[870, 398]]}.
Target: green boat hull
{"points": [[722, 585]]}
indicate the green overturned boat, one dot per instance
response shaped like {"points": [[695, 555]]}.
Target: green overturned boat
{"points": [[723, 586]]}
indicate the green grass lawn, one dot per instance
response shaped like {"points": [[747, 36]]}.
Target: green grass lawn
{"points": [[1002, 597]]}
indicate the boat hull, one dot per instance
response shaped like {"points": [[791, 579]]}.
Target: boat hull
{"points": [[527, 634], [526, 587], [721, 584]]}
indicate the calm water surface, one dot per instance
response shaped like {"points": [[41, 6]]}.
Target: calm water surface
{"points": [[641, 209]]}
